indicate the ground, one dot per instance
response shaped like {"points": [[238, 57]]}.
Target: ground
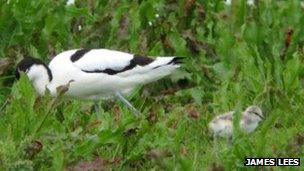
{"points": [[236, 55]]}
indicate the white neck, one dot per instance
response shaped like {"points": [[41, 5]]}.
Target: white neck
{"points": [[39, 76]]}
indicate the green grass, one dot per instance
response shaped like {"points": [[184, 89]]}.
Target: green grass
{"points": [[236, 56]]}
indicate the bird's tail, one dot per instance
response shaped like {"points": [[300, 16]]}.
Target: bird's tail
{"points": [[177, 60], [161, 62], [157, 69], [163, 66]]}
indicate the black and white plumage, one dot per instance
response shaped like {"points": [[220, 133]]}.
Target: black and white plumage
{"points": [[97, 73]]}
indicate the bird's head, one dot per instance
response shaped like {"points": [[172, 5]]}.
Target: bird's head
{"points": [[33, 68], [255, 113]]}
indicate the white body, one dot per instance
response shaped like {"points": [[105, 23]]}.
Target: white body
{"points": [[70, 2], [249, 2], [97, 85]]}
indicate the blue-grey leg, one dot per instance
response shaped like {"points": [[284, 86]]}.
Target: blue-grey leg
{"points": [[230, 141], [4, 105], [215, 146], [126, 102], [97, 107]]}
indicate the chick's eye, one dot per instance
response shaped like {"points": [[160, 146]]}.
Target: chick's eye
{"points": [[258, 114]]}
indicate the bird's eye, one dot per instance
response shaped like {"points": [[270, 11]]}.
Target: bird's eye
{"points": [[258, 115]]}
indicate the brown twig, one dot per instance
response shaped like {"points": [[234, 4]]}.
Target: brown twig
{"points": [[288, 39]]}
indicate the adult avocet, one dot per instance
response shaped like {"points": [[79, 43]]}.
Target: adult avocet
{"points": [[96, 73]]}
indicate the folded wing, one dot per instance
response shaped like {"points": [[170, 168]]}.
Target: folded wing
{"points": [[117, 63]]}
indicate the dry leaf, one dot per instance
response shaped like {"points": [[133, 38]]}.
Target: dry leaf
{"points": [[184, 151], [117, 112], [4, 65], [195, 45], [34, 148], [123, 23], [278, 125], [97, 164], [288, 39], [188, 4], [217, 167], [170, 90], [152, 117], [174, 125], [201, 11], [158, 153], [116, 160], [300, 139], [192, 112], [166, 42], [63, 88], [130, 132], [92, 125], [52, 51]]}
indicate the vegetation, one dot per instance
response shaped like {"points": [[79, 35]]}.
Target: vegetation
{"points": [[237, 56]]}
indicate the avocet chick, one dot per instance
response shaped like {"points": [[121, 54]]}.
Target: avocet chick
{"points": [[222, 125]]}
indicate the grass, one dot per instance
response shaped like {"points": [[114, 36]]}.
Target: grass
{"points": [[237, 56]]}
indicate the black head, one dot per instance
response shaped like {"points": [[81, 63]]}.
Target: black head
{"points": [[25, 64]]}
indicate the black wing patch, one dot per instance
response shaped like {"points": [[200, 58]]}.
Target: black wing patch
{"points": [[78, 54], [141, 60], [137, 60]]}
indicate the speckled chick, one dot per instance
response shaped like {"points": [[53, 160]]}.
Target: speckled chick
{"points": [[222, 125]]}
